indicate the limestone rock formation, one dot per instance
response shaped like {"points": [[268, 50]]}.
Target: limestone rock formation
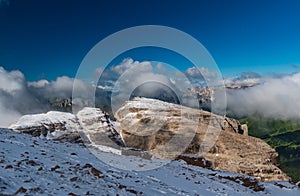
{"points": [[164, 129]]}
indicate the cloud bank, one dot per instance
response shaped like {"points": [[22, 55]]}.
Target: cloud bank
{"points": [[274, 98], [15, 98], [19, 97]]}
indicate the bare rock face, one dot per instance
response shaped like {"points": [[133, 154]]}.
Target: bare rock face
{"points": [[164, 129]]}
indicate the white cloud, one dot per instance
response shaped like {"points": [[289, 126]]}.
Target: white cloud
{"points": [[136, 74], [161, 68], [173, 81], [198, 75], [11, 81], [207, 73], [100, 72], [105, 87], [62, 87], [274, 98], [128, 63], [19, 97], [193, 72], [147, 80], [38, 84], [8, 116], [15, 98]]}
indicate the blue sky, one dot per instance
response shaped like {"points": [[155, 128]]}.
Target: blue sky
{"points": [[46, 39]]}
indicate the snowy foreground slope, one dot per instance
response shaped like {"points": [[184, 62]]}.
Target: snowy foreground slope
{"points": [[34, 166]]}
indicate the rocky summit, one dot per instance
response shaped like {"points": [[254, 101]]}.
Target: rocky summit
{"points": [[162, 128]]}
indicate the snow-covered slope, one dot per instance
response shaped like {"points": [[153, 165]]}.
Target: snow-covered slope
{"points": [[35, 166]]}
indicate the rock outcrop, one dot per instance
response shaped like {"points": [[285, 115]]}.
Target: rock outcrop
{"points": [[90, 124], [152, 125]]}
